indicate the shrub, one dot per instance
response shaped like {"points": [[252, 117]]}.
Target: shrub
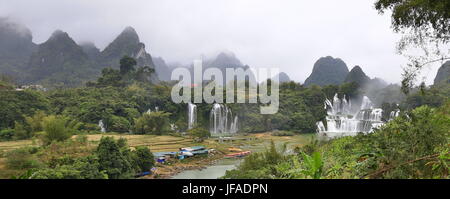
{"points": [[35, 121], [6, 134], [22, 158], [113, 159], [21, 132], [152, 123], [58, 128], [283, 133], [199, 133], [118, 124], [143, 159]]}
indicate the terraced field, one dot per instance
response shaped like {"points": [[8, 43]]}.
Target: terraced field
{"points": [[155, 143]]}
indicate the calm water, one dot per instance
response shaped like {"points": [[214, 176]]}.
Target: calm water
{"points": [[218, 170], [211, 172]]}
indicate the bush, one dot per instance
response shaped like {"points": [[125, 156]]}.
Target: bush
{"points": [[35, 121], [21, 132], [58, 128], [152, 123], [283, 133], [6, 134], [143, 159], [199, 133], [22, 158], [114, 159], [90, 128], [118, 124], [82, 168]]}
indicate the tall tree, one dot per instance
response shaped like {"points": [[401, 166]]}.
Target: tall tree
{"points": [[425, 25], [127, 64]]}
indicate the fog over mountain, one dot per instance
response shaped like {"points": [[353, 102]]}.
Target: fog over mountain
{"points": [[291, 35]]}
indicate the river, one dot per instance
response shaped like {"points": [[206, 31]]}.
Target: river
{"points": [[211, 172], [218, 169]]}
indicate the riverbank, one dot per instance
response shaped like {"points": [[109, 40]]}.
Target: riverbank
{"points": [[215, 166], [251, 142]]}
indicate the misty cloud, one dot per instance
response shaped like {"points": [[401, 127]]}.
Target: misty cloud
{"points": [[290, 34]]}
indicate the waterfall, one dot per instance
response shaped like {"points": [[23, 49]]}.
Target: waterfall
{"points": [[222, 121], [102, 126], [338, 106], [366, 103], [150, 110], [394, 114], [341, 121], [192, 115]]}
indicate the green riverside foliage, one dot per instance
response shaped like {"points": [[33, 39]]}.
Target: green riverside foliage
{"points": [[115, 160], [73, 159], [143, 159], [414, 145], [199, 133], [82, 168]]}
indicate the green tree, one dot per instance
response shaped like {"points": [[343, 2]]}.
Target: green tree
{"points": [[16, 105], [110, 77], [199, 133], [425, 25], [152, 123], [35, 121], [127, 65], [83, 168], [58, 128], [118, 124], [143, 74], [113, 159], [21, 132], [143, 159]]}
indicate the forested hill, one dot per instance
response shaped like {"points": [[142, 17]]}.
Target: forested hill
{"points": [[443, 75], [328, 71], [16, 47], [60, 61], [357, 75]]}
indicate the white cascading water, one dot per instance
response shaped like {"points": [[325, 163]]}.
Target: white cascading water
{"points": [[222, 121], [102, 126], [341, 121], [150, 110], [192, 115], [394, 114]]}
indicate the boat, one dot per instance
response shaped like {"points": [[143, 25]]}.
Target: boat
{"points": [[234, 149], [238, 155]]}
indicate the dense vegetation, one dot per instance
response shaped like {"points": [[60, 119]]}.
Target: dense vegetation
{"points": [[126, 100], [414, 145]]}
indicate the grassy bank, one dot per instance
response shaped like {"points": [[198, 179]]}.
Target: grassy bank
{"points": [[252, 142]]}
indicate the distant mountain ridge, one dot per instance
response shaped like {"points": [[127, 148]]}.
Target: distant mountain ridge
{"points": [[328, 71], [60, 61], [16, 47], [282, 77], [127, 43], [162, 69], [358, 76], [227, 60], [443, 75]]}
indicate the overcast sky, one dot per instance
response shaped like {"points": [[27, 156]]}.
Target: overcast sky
{"points": [[289, 34]]}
